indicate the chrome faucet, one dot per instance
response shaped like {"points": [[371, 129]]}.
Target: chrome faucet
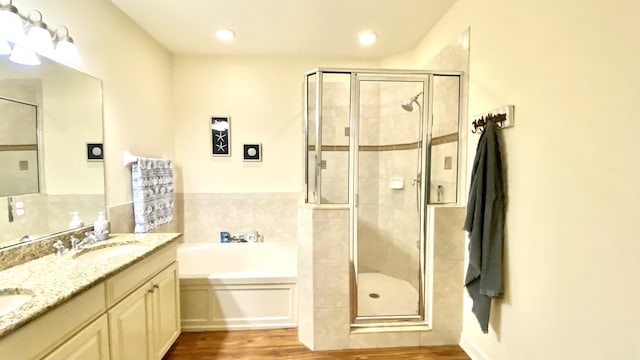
{"points": [[74, 241], [59, 246], [89, 240]]}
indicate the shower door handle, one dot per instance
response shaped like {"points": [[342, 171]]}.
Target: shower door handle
{"points": [[417, 181]]}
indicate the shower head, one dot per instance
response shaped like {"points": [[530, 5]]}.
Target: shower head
{"points": [[408, 105]]}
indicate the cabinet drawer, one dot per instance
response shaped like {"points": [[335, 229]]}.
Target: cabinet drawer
{"points": [[123, 283], [42, 335]]}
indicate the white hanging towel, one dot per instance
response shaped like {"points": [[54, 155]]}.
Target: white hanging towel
{"points": [[152, 187]]}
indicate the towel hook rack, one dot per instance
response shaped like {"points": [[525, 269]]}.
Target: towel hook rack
{"points": [[479, 124], [503, 117]]}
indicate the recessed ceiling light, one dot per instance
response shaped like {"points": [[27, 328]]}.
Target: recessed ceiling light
{"points": [[225, 34], [367, 37]]}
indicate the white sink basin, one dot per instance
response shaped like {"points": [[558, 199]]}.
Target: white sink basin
{"points": [[12, 300], [107, 252]]}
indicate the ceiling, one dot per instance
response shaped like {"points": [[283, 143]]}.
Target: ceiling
{"points": [[323, 28]]}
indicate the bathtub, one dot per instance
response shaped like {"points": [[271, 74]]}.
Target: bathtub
{"points": [[237, 286]]}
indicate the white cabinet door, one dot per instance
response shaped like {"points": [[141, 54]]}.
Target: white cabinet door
{"points": [[165, 310], [129, 322], [146, 323], [91, 343]]}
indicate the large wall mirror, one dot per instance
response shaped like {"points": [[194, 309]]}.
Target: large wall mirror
{"points": [[18, 148], [48, 115]]}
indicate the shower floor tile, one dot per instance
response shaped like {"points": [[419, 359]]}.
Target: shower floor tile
{"points": [[382, 295]]}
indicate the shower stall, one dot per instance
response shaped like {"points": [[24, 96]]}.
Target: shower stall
{"points": [[384, 144]]}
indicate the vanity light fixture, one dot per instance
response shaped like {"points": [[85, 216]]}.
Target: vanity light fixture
{"points": [[66, 49], [367, 38], [11, 26], [38, 39], [225, 35], [24, 56]]}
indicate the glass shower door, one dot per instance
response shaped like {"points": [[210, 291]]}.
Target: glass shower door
{"points": [[389, 188]]}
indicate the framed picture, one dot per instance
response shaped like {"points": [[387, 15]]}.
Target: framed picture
{"points": [[95, 152], [252, 152], [220, 136]]}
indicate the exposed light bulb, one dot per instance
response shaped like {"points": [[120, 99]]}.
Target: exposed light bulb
{"points": [[39, 39], [11, 25], [67, 52], [24, 56]]}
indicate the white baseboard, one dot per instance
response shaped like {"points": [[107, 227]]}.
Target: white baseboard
{"points": [[470, 348]]}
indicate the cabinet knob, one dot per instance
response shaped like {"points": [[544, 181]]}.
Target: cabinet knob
{"points": [[153, 288]]}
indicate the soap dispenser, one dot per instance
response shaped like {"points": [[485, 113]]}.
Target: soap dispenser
{"points": [[101, 227], [75, 222]]}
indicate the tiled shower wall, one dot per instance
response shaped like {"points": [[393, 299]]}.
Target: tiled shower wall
{"points": [[324, 270], [388, 139], [384, 221], [444, 150], [398, 221], [335, 119]]}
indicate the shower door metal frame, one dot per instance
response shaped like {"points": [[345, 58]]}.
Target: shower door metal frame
{"points": [[425, 307], [423, 316], [318, 116], [319, 72]]}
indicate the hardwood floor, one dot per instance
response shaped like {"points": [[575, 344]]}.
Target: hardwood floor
{"points": [[283, 344]]}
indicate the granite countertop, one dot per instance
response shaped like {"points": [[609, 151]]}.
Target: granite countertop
{"points": [[52, 280]]}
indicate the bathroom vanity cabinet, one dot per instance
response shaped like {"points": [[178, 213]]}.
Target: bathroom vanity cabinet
{"points": [[149, 315], [90, 343], [133, 314]]}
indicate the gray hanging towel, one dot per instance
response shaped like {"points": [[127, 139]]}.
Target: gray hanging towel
{"points": [[485, 224], [152, 188]]}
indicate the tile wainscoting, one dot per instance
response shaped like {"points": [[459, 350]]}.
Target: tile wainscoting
{"points": [[201, 216]]}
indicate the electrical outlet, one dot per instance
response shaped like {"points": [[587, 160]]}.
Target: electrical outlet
{"points": [[19, 208]]}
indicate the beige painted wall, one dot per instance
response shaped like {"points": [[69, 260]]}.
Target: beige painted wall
{"points": [[136, 76], [263, 97], [571, 70]]}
